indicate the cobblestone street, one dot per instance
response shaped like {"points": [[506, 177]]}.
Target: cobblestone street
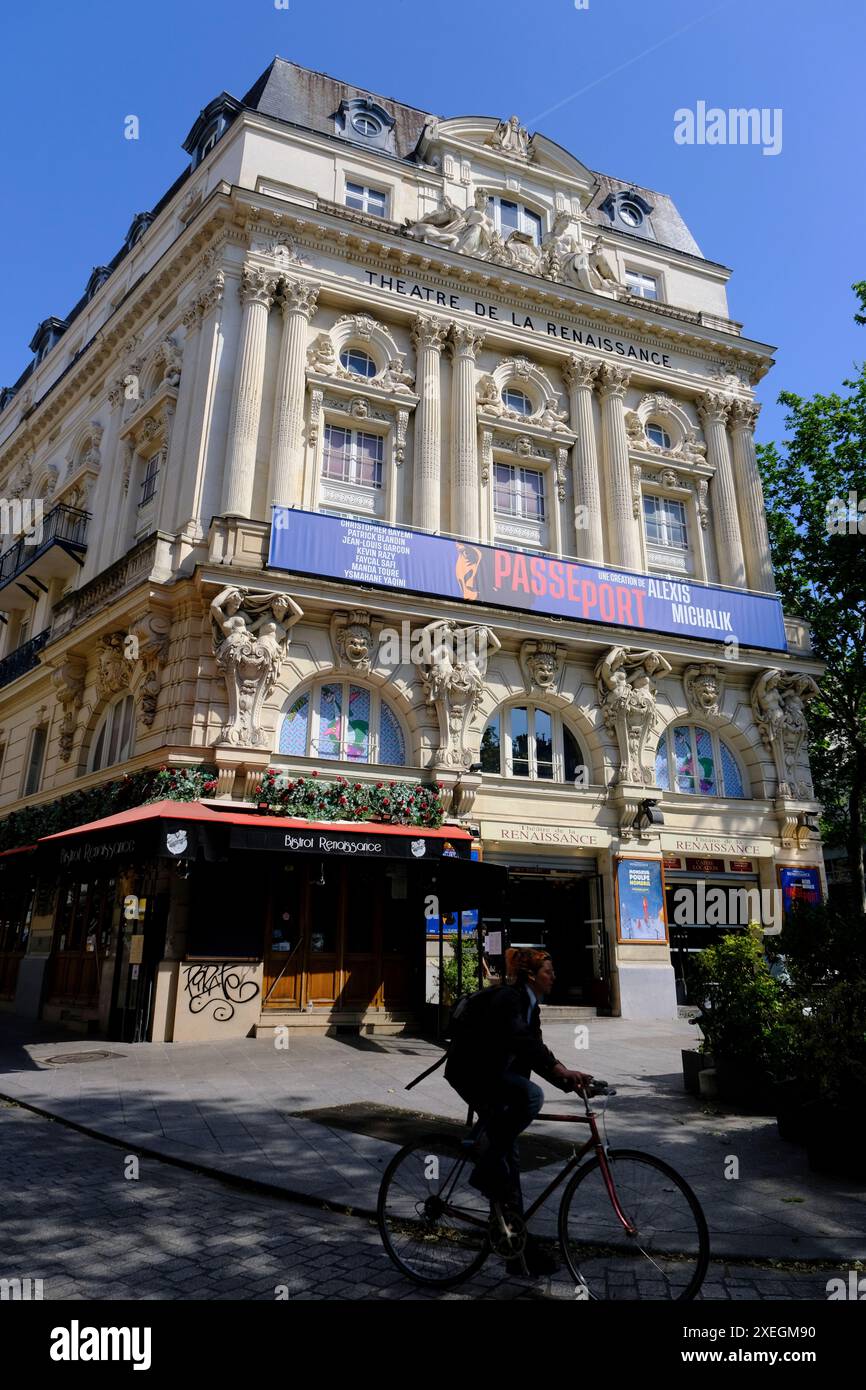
{"points": [[70, 1216]]}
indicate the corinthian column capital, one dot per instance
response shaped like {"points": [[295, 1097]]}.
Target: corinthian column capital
{"points": [[744, 415], [257, 286], [579, 371], [713, 408], [612, 380], [428, 332], [465, 341], [299, 296]]}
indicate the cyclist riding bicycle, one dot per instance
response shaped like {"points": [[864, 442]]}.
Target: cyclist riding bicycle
{"points": [[490, 1067]]}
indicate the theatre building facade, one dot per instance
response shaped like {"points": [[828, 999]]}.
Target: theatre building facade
{"points": [[385, 557]]}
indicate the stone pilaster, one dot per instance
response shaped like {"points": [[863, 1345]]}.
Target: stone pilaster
{"points": [[298, 304], [713, 410], [465, 485], [257, 295], [750, 495], [428, 335], [622, 525], [579, 374], [193, 506]]}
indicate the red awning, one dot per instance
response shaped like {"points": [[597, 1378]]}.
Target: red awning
{"points": [[198, 812]]}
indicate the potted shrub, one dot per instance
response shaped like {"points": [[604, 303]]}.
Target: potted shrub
{"points": [[835, 1073], [742, 1008]]}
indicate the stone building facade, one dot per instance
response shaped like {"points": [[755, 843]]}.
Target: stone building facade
{"points": [[352, 308]]}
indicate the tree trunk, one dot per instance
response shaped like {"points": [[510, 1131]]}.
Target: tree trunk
{"points": [[855, 829]]}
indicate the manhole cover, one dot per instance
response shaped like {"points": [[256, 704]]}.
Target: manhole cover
{"points": [[65, 1057]]}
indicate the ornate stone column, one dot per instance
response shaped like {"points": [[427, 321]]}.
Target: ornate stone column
{"points": [[713, 412], [750, 494], [428, 335], [623, 535], [579, 374], [465, 485], [298, 304], [257, 295], [198, 495]]}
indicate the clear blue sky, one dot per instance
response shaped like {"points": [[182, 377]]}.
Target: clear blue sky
{"points": [[791, 226]]}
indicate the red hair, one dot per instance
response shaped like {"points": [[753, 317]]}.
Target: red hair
{"points": [[521, 961]]}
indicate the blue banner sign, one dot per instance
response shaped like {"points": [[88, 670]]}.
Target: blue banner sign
{"points": [[369, 552]]}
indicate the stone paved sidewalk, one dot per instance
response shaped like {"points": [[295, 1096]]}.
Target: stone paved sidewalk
{"points": [[239, 1108], [177, 1235]]}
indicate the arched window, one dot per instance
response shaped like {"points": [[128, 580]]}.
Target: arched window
{"points": [[691, 759], [514, 399], [358, 361], [115, 735], [529, 741], [659, 436], [343, 721]]}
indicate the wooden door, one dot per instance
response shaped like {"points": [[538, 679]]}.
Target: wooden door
{"points": [[325, 910], [361, 973], [285, 938], [82, 936]]}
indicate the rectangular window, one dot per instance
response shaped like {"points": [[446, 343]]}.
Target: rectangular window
{"points": [[665, 522], [364, 199], [518, 492], [148, 482], [511, 217], [645, 286], [36, 759], [352, 456]]}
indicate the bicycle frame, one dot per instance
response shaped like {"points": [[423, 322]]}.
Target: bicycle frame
{"points": [[593, 1142]]}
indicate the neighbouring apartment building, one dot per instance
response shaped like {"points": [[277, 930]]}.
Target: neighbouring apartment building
{"points": [[408, 450]]}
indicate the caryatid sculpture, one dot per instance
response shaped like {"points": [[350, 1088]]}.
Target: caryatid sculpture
{"points": [[779, 699], [627, 695], [251, 639], [452, 662]]}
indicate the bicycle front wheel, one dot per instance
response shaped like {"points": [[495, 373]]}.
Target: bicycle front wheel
{"points": [[433, 1224], [665, 1253]]}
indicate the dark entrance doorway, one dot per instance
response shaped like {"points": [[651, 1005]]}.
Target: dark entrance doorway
{"points": [[553, 908]]}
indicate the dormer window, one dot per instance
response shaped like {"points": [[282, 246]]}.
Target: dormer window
{"points": [[98, 277], [139, 225], [365, 120], [49, 332], [211, 125], [630, 210]]}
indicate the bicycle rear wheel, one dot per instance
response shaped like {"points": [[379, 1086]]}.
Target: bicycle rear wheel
{"points": [[666, 1258], [433, 1224]]}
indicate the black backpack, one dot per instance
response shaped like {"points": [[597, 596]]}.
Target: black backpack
{"points": [[468, 1023]]}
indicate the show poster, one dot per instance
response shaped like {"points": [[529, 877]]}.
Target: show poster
{"points": [[800, 885], [640, 900], [370, 552]]}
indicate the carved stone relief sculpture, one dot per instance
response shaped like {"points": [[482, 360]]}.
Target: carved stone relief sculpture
{"points": [[251, 639], [627, 691], [541, 664], [68, 680], [452, 663], [779, 699], [353, 641], [704, 688]]}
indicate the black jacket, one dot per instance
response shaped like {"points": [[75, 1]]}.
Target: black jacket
{"points": [[506, 1041]]}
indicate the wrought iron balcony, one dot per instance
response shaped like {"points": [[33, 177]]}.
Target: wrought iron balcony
{"points": [[23, 659], [50, 548]]}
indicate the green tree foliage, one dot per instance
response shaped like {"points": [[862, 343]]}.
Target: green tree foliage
{"points": [[814, 482]]}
